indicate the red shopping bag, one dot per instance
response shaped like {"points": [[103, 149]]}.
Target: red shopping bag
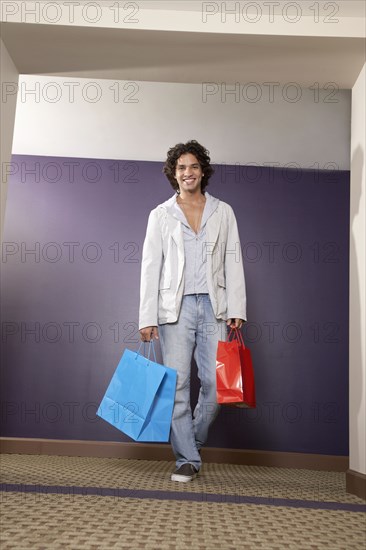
{"points": [[229, 383], [234, 372], [247, 373]]}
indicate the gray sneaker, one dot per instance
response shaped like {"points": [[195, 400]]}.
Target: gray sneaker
{"points": [[184, 473]]}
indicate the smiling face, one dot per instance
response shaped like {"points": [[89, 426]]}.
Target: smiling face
{"points": [[188, 174]]}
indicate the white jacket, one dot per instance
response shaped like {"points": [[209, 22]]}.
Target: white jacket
{"points": [[162, 265]]}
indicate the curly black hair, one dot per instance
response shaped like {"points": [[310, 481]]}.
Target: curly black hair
{"points": [[195, 149]]}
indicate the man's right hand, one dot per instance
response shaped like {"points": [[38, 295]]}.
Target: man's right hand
{"points": [[148, 333]]}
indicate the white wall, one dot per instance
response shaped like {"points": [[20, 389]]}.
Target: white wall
{"points": [[357, 390], [74, 117], [8, 85]]}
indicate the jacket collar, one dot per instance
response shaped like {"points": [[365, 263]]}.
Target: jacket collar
{"points": [[211, 205], [212, 229]]}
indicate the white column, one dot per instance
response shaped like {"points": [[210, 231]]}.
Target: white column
{"points": [[357, 326], [9, 76]]}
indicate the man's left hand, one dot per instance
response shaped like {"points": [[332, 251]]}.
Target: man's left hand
{"points": [[235, 323]]}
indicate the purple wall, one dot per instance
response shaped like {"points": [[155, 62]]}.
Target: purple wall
{"points": [[69, 310]]}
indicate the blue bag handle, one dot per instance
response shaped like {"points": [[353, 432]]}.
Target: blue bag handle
{"points": [[151, 345]]}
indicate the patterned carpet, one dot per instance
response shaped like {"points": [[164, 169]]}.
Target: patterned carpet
{"points": [[73, 502]]}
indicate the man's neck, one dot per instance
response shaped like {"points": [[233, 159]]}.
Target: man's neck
{"points": [[194, 198]]}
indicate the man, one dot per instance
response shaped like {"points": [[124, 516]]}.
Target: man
{"points": [[192, 285]]}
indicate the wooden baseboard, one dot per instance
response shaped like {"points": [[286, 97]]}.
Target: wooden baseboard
{"points": [[356, 483], [149, 451]]}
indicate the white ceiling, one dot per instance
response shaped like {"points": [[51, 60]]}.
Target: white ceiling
{"points": [[347, 8], [126, 54]]}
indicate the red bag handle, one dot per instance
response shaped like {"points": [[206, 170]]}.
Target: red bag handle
{"points": [[238, 335]]}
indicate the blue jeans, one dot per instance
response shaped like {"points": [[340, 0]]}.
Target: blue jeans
{"points": [[196, 329]]}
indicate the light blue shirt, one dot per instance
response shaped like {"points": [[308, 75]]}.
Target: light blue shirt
{"points": [[195, 281]]}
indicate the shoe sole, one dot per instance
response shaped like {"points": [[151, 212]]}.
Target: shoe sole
{"points": [[182, 479]]}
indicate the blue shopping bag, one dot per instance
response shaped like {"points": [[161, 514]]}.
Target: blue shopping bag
{"points": [[140, 397]]}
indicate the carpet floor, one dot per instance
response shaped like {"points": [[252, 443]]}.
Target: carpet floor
{"points": [[98, 503]]}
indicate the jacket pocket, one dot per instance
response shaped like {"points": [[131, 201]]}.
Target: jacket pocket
{"points": [[221, 295], [221, 281], [165, 282]]}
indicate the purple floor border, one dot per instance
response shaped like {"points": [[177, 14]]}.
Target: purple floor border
{"points": [[118, 492]]}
